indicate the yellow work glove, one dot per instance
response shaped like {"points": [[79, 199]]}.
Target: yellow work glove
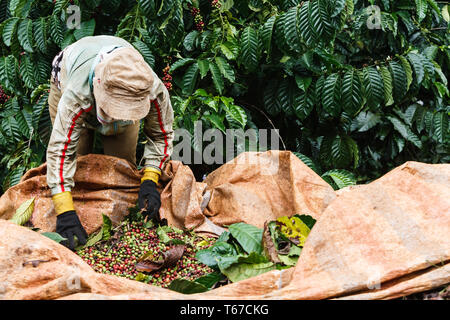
{"points": [[68, 224], [63, 202], [152, 174]]}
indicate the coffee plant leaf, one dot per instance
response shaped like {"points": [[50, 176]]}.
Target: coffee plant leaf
{"points": [[24, 212], [241, 271], [186, 286], [341, 178], [248, 236], [210, 279], [54, 236]]}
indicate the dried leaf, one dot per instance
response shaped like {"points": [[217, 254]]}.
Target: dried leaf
{"points": [[170, 259], [269, 246]]}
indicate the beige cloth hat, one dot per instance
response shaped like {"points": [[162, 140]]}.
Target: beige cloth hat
{"points": [[122, 85]]}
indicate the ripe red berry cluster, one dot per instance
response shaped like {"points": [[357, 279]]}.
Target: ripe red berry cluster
{"points": [[167, 78], [215, 4], [3, 96], [120, 256], [198, 19]]}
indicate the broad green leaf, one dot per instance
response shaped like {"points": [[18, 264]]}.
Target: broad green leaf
{"points": [[250, 48], [189, 40], [230, 50], [190, 79], [421, 9], [56, 30], [181, 63], [373, 85], [440, 126], [291, 33], [24, 212], [307, 161], [25, 34], [9, 30], [416, 62], [303, 82], [54, 236], [162, 235], [342, 178], [145, 52], [226, 70], [365, 121], [203, 66], [106, 227], [242, 271], [217, 77], [351, 92], [186, 286], [210, 279], [399, 80], [40, 34], [248, 236], [86, 29], [331, 96], [387, 85], [405, 131], [266, 34], [408, 70]]}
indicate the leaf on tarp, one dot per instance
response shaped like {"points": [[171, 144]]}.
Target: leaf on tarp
{"points": [[269, 242], [291, 258], [93, 239], [202, 243], [162, 235], [289, 261], [23, 213], [106, 227], [140, 277], [210, 279], [170, 259], [186, 286], [54, 236], [224, 236], [216, 252], [307, 219], [242, 271], [171, 229], [294, 229], [248, 236], [176, 242]]}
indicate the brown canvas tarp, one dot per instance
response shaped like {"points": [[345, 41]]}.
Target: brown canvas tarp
{"points": [[377, 241]]}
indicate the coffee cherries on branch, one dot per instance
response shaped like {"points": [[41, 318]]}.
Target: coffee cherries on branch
{"points": [[198, 19], [215, 4], [167, 78], [3, 96]]}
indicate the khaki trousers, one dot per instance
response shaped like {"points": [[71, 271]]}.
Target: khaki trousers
{"points": [[122, 145]]}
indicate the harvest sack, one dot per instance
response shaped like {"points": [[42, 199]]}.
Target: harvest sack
{"points": [[377, 241]]}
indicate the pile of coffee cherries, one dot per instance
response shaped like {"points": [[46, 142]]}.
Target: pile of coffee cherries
{"points": [[132, 240]]}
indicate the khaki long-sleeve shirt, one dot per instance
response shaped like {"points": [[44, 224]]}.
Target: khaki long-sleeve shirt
{"points": [[76, 109]]}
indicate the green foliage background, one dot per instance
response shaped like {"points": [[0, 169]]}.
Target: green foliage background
{"points": [[351, 101]]}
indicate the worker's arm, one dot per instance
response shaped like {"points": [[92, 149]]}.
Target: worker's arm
{"points": [[75, 101], [158, 127]]}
